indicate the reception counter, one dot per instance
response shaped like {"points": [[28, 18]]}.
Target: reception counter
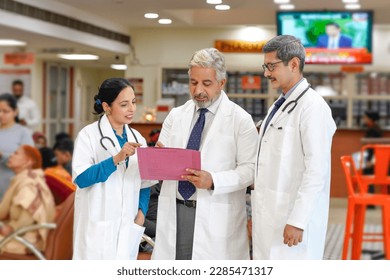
{"points": [[345, 141]]}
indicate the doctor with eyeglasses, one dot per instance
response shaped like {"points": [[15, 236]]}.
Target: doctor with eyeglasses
{"points": [[290, 201]]}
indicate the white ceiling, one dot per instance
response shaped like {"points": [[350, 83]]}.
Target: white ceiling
{"points": [[197, 13], [126, 15]]}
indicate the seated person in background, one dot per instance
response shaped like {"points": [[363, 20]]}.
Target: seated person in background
{"points": [[333, 39], [63, 151], [48, 158], [27, 201], [373, 130], [62, 135]]}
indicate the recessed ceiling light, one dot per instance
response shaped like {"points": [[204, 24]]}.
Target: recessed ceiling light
{"points": [[164, 21], [118, 66], [281, 1], [350, 1], [352, 6], [287, 7], [11, 42], [78, 56], [214, 2], [151, 15], [222, 7]]}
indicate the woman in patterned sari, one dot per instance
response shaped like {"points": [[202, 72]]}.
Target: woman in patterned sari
{"points": [[27, 201]]}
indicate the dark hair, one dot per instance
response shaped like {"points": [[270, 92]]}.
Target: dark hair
{"points": [[11, 100], [373, 115], [332, 23], [64, 145], [62, 135], [109, 91], [287, 47], [17, 82]]}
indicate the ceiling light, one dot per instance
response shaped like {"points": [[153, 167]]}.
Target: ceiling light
{"points": [[214, 2], [281, 1], [350, 1], [352, 6], [118, 66], [287, 7], [164, 21], [222, 7], [251, 33], [151, 15], [11, 42], [78, 56]]}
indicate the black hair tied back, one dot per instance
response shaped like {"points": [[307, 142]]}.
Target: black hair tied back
{"points": [[97, 106]]}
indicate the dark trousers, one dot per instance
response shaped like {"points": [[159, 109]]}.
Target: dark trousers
{"points": [[185, 222]]}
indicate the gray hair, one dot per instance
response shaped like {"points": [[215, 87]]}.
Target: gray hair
{"points": [[209, 58], [287, 47]]}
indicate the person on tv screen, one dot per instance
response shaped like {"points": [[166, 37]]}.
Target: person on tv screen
{"points": [[333, 39]]}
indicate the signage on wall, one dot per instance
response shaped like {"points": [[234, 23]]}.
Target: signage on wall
{"points": [[239, 46], [19, 58]]}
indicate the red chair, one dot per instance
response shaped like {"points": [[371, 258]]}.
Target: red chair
{"points": [[380, 176], [59, 186], [358, 199]]}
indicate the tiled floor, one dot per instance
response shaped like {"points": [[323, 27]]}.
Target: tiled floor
{"points": [[335, 234]]}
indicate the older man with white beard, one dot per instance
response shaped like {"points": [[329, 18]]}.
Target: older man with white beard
{"points": [[204, 216]]}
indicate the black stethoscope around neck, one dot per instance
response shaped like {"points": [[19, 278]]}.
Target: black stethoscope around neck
{"points": [[102, 137], [295, 101]]}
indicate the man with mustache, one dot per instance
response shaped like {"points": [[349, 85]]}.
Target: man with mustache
{"points": [[290, 202], [204, 216]]}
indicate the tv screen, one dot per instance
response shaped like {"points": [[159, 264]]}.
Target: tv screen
{"points": [[330, 37]]}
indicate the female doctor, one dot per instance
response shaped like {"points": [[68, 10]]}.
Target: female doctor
{"points": [[109, 207]]}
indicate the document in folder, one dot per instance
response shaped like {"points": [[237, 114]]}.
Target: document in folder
{"points": [[166, 163]]}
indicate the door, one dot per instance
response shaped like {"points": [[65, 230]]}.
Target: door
{"points": [[59, 105]]}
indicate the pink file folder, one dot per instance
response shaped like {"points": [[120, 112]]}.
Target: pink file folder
{"points": [[166, 163]]}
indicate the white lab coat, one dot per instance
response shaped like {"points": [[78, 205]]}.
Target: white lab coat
{"points": [[227, 153], [292, 182], [104, 214]]}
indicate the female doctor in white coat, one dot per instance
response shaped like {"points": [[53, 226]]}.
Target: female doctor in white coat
{"points": [[290, 201], [109, 207]]}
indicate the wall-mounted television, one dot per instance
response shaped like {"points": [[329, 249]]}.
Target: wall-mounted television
{"points": [[330, 37]]}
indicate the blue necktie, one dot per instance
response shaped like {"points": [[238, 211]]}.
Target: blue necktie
{"points": [[277, 105], [186, 189]]}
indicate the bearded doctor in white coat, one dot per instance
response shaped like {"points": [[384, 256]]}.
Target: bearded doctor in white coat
{"points": [[109, 206], [290, 202], [213, 227]]}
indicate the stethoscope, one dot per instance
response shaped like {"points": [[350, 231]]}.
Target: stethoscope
{"points": [[102, 138], [295, 101]]}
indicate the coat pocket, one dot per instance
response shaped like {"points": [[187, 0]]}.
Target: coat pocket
{"points": [[101, 239]]}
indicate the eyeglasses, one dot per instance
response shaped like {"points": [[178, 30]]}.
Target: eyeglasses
{"points": [[270, 66]]}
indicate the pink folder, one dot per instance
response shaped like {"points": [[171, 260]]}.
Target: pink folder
{"points": [[166, 163]]}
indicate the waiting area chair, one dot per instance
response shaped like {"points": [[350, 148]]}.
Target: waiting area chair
{"points": [[146, 255], [380, 171], [59, 186], [59, 245], [358, 199]]}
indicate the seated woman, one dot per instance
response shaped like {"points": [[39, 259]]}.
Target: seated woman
{"points": [[27, 201]]}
